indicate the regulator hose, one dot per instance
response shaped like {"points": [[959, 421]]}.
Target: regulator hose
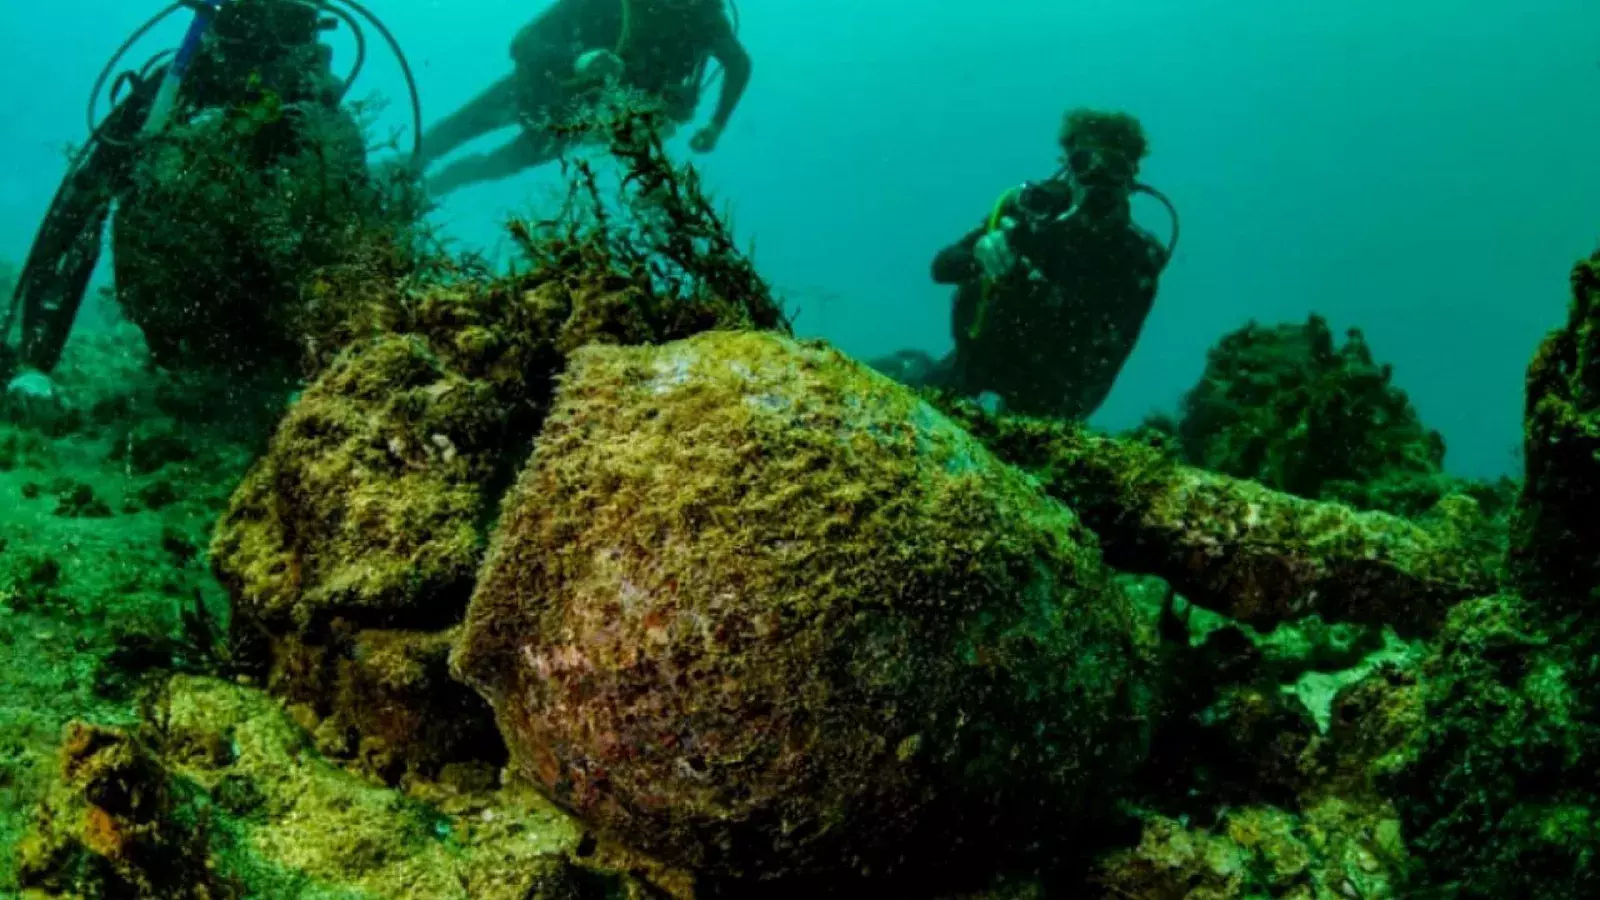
{"points": [[111, 64], [1172, 242], [400, 57], [360, 37], [986, 289], [346, 11]]}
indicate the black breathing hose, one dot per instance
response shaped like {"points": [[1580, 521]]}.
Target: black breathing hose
{"points": [[346, 11], [105, 73], [131, 78], [360, 38], [400, 57], [1172, 243]]}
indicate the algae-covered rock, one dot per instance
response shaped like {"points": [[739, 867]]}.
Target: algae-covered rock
{"points": [[222, 796], [1287, 407], [1501, 796], [367, 502], [1556, 543], [373, 497], [1334, 850], [368, 512], [1254, 554], [761, 612], [385, 700], [116, 826], [371, 506]]}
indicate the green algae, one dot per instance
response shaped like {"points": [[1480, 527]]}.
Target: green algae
{"points": [[97, 614], [1317, 759], [257, 196], [1332, 850], [1288, 407], [870, 641], [1254, 554], [330, 827], [88, 601], [269, 810], [1499, 790], [254, 811]]}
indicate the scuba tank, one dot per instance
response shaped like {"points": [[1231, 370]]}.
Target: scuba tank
{"points": [[167, 94]]}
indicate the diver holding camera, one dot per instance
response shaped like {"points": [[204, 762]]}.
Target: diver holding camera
{"points": [[1053, 289]]}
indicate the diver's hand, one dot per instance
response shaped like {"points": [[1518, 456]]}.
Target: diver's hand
{"points": [[705, 140], [598, 65], [993, 253]]}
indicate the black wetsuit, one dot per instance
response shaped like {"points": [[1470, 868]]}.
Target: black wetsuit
{"points": [[664, 46], [1051, 345], [667, 43]]}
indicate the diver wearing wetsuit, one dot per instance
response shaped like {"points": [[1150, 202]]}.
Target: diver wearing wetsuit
{"points": [[660, 47], [235, 56], [1053, 290]]}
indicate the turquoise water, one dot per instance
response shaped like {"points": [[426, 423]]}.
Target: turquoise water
{"points": [[484, 605], [1418, 171]]}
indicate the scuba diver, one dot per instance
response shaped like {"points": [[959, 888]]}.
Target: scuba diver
{"points": [[569, 53], [1053, 290], [234, 53]]}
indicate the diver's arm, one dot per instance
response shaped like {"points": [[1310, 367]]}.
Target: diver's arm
{"points": [[725, 49], [736, 67], [957, 263], [1014, 215]]}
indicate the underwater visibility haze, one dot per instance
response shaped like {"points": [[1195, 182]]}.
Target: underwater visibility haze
{"points": [[942, 450]]}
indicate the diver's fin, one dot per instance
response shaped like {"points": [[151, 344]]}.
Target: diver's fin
{"points": [[66, 248]]}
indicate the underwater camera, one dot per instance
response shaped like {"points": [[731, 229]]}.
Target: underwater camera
{"points": [[227, 43]]}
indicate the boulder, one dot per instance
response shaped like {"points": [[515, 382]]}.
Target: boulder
{"points": [[761, 612]]}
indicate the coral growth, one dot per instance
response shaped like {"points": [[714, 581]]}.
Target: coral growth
{"points": [[1501, 797], [222, 797], [1252, 553], [1556, 545], [763, 613], [1286, 407], [371, 506]]}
